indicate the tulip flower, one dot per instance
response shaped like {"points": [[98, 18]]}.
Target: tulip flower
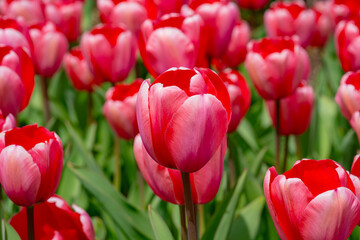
{"points": [[240, 96], [313, 200], [7, 122], [29, 11], [355, 123], [295, 110], [166, 183], [14, 35], [355, 167], [16, 80], [183, 117], [165, 36], [156, 9], [110, 52], [78, 70], [347, 44], [300, 22], [252, 4], [344, 9], [120, 109], [54, 219], [31, 161], [323, 28], [348, 94], [276, 66]]}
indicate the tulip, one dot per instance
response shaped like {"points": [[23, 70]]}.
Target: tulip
{"points": [[183, 117], [165, 36], [348, 94], [66, 14], [54, 219], [156, 9], [323, 28], [16, 80], [355, 123], [7, 122], [166, 183], [276, 66], [120, 109], [78, 70], [295, 110], [252, 4], [313, 200], [29, 11], [344, 9], [31, 161], [14, 35], [355, 167], [347, 44], [240, 96], [300, 22], [110, 52]]}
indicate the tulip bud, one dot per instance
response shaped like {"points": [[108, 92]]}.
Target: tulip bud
{"points": [[311, 193], [31, 161], [323, 29], [295, 110], [54, 219], [120, 109], [7, 123], [183, 117], [240, 96], [15, 35], [276, 66], [252, 4], [166, 183]]}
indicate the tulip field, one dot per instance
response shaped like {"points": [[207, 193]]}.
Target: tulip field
{"points": [[179, 119]]}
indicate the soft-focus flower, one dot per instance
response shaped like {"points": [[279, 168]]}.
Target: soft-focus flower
{"points": [[252, 4], [14, 34], [355, 123], [7, 122], [313, 200], [31, 161], [323, 28], [240, 96], [276, 66], [355, 167], [78, 70], [167, 183], [183, 117], [30, 11], [110, 52], [50, 46], [160, 41], [54, 219], [348, 94], [290, 19], [156, 9], [120, 109], [16, 80], [344, 9]]}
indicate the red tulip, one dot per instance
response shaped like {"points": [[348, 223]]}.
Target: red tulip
{"points": [[167, 183], [355, 167], [313, 200], [7, 123], [15, 35], [78, 70], [165, 36], [54, 219], [66, 14], [240, 96], [50, 46], [347, 44], [295, 110], [31, 161], [156, 9], [290, 19], [252, 4], [183, 117], [110, 52], [355, 123], [30, 11], [323, 28], [16, 80], [348, 94], [276, 66], [344, 9], [120, 109]]}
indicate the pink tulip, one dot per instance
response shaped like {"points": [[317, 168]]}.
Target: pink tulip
{"points": [[323, 29], [78, 70], [295, 110], [166, 183], [252, 4], [31, 161], [355, 123], [16, 80], [290, 19], [348, 94], [313, 200], [110, 52], [14, 35], [66, 14], [183, 117], [156, 9], [120, 109], [50, 46], [355, 167], [344, 9], [240, 96], [165, 36], [7, 123], [276, 66], [29, 11], [54, 219]]}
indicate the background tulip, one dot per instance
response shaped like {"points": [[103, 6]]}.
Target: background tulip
{"points": [[183, 117], [54, 219], [323, 28], [355, 123], [156, 9], [31, 160], [30, 11], [344, 9], [252, 4], [15, 35], [276, 66], [303, 198], [7, 122]]}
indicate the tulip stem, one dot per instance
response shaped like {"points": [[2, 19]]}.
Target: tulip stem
{"points": [[183, 222], [117, 166], [189, 207], [30, 222], [141, 189], [298, 147], [286, 151], [44, 88], [277, 149], [90, 110]]}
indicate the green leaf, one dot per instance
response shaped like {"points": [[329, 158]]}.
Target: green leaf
{"points": [[11, 234], [247, 133], [159, 227], [256, 164]]}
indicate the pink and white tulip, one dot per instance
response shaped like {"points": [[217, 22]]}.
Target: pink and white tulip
{"points": [[355, 123], [323, 28], [29, 11], [7, 122], [15, 35]]}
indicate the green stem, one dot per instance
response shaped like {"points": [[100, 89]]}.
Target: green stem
{"points": [[141, 189], [298, 147], [90, 110], [286, 151], [30, 222], [117, 170], [278, 137], [183, 222], [189, 207], [44, 88]]}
